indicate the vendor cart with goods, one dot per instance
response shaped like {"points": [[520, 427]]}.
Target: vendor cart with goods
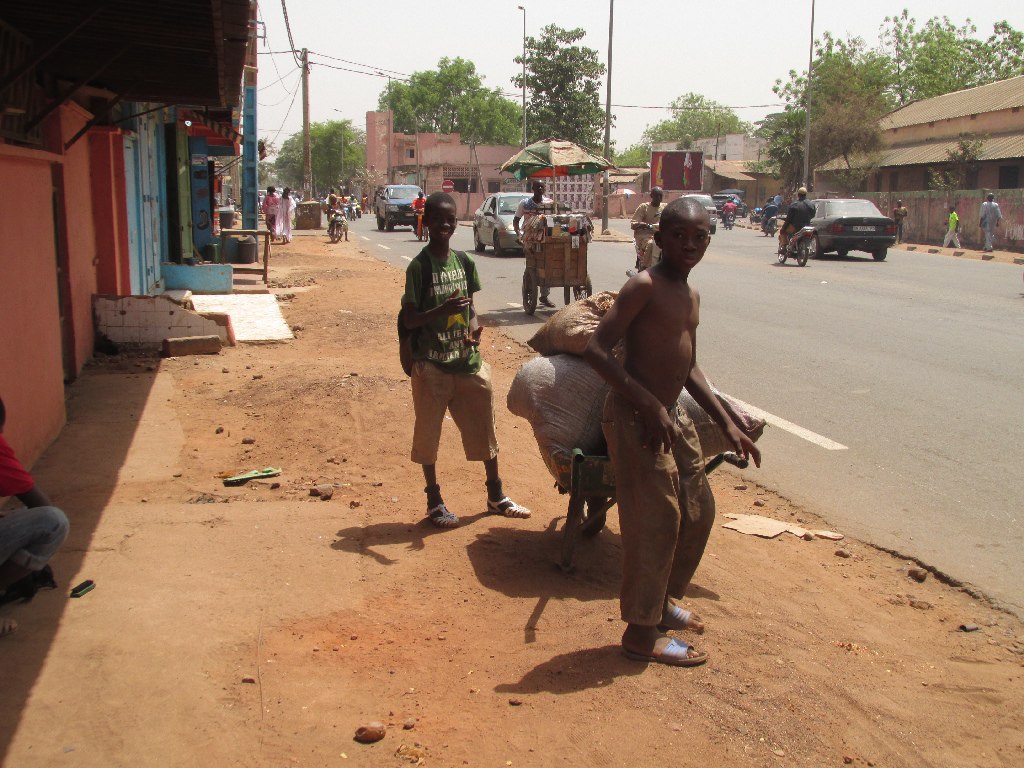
{"points": [[555, 242], [563, 398]]}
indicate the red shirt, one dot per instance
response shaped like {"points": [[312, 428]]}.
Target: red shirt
{"points": [[418, 203], [13, 477]]}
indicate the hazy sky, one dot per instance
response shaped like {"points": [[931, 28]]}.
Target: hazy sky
{"points": [[661, 50]]}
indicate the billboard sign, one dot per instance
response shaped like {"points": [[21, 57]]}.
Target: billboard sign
{"points": [[680, 170]]}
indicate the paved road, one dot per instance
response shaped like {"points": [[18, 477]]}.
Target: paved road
{"points": [[893, 388]]}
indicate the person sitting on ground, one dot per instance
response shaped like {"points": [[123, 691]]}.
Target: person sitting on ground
{"points": [[645, 220], [528, 208], [798, 216], [28, 537], [666, 510], [448, 373]]}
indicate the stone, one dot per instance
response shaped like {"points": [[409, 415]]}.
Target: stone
{"points": [[842, 553], [219, 431], [191, 345], [249, 680], [369, 733], [323, 492], [739, 487], [248, 441], [847, 759], [515, 702], [274, 486], [917, 574], [808, 536], [758, 503], [409, 724], [353, 504], [968, 627], [921, 605]]}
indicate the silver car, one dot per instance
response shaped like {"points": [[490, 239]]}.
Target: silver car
{"points": [[708, 203], [492, 222]]}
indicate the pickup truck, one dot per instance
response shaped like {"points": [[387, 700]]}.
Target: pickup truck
{"points": [[393, 206]]}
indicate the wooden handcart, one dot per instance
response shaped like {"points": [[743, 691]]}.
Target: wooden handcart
{"points": [[556, 262]]}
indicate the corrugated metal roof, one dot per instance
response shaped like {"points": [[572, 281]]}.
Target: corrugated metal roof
{"points": [[929, 152], [1004, 94], [730, 169]]}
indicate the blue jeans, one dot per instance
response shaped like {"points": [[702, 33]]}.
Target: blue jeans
{"points": [[30, 537]]}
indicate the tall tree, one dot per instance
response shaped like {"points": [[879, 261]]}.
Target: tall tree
{"points": [[453, 99], [694, 117], [337, 152], [564, 80], [784, 134]]}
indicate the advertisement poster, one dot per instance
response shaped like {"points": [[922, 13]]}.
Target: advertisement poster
{"points": [[677, 170]]}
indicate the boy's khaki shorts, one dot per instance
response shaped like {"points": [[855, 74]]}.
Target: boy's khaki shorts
{"points": [[467, 397]]}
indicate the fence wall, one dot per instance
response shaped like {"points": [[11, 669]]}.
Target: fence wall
{"points": [[929, 213]]}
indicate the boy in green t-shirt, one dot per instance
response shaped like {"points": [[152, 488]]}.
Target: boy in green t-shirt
{"points": [[448, 374]]}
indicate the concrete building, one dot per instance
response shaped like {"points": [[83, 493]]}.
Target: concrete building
{"points": [[729, 146]]}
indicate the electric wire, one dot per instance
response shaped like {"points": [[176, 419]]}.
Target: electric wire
{"points": [[288, 28], [286, 114]]}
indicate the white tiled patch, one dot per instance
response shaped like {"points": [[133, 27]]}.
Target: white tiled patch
{"points": [[254, 316]]}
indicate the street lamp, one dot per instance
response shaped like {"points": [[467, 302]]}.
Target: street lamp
{"points": [[607, 121], [391, 123], [807, 123], [521, 8]]}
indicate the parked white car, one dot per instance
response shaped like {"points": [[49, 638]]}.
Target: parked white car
{"points": [[709, 203]]}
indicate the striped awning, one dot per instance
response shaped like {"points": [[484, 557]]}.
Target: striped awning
{"points": [[215, 127]]}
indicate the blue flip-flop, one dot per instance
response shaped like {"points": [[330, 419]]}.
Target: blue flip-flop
{"points": [[675, 654]]}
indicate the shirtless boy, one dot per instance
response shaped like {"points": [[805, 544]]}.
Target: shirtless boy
{"points": [[666, 509]]}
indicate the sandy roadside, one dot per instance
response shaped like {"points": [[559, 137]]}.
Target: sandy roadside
{"points": [[261, 625]]}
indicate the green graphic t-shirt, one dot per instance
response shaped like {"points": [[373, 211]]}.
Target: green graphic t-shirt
{"points": [[443, 341]]}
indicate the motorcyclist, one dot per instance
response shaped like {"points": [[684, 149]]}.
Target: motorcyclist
{"points": [[768, 214], [729, 212], [799, 216]]}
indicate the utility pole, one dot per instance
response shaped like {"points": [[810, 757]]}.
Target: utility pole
{"points": [[607, 120], [307, 156], [807, 124], [521, 8]]}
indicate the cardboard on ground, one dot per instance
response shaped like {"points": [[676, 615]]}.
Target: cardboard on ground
{"points": [[769, 528]]}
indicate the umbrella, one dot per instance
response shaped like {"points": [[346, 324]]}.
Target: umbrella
{"points": [[554, 157]]}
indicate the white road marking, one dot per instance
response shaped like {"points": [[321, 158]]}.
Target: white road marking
{"points": [[407, 258], [794, 429], [379, 245], [365, 238], [510, 304]]}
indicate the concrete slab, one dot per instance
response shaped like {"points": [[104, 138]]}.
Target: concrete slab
{"points": [[255, 317]]}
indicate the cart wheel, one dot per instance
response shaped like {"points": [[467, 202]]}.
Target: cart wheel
{"points": [[583, 291], [529, 292], [596, 516]]}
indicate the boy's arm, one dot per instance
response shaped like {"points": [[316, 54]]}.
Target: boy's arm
{"points": [[660, 429], [699, 388]]}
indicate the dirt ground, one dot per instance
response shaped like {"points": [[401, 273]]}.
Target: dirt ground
{"points": [[260, 626]]}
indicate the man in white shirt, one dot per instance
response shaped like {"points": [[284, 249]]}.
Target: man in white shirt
{"points": [[990, 218]]}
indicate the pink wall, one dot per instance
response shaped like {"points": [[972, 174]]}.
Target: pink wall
{"points": [[81, 237], [107, 180], [31, 367]]}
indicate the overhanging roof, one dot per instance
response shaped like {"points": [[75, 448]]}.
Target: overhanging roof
{"points": [[170, 51], [1004, 94], [729, 169], [932, 152]]}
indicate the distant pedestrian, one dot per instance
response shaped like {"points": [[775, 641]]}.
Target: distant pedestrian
{"points": [[284, 215], [990, 218], [899, 213], [953, 233], [644, 224], [271, 205]]}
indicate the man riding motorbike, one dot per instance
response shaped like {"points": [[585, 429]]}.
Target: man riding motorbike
{"points": [[729, 214], [768, 214], [799, 216], [418, 205]]}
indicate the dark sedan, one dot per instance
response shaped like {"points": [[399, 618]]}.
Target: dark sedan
{"points": [[842, 226]]}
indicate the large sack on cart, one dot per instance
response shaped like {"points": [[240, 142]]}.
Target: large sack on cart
{"points": [[569, 329], [563, 398]]}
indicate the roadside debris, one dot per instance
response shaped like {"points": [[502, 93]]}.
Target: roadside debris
{"points": [[255, 474], [968, 627], [917, 574], [769, 528], [369, 733]]}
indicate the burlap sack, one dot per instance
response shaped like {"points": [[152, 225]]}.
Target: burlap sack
{"points": [[563, 398], [570, 328]]}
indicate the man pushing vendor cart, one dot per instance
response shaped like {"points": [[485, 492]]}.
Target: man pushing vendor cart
{"points": [[554, 241]]}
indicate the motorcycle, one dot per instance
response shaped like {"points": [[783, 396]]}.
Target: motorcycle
{"points": [[350, 211], [769, 226], [756, 216], [799, 247], [728, 219], [421, 233], [337, 225]]}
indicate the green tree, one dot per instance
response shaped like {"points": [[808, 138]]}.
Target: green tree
{"points": [[963, 160], [636, 156], [453, 99], [337, 152], [564, 81], [694, 117], [784, 134]]}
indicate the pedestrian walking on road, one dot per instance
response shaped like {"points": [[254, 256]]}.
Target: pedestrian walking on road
{"points": [[990, 218], [284, 217], [953, 232], [899, 213], [271, 205]]}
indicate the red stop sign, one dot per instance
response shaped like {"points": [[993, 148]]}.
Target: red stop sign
{"points": [[448, 186]]}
